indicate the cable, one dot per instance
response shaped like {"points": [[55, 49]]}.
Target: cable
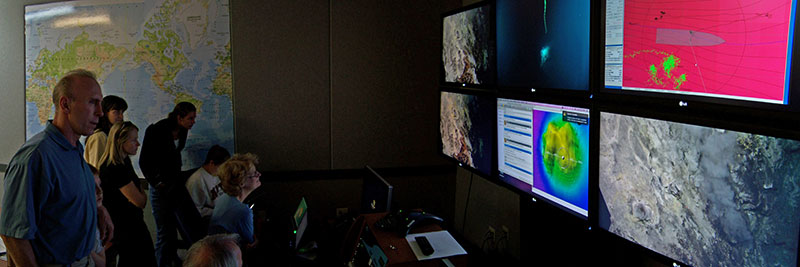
{"points": [[469, 192]]}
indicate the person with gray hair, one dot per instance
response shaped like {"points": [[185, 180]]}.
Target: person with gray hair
{"points": [[50, 213], [220, 250]]}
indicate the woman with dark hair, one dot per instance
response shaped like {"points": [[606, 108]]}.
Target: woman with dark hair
{"points": [[125, 199], [113, 111], [161, 165]]}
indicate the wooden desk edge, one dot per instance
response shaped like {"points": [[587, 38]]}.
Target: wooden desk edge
{"points": [[402, 253]]}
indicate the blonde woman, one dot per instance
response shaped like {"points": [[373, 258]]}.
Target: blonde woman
{"points": [[239, 178], [124, 199]]}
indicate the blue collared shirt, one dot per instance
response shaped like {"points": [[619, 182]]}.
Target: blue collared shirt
{"points": [[232, 216], [49, 198]]}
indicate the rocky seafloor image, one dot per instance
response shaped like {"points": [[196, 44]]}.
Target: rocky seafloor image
{"points": [[467, 54], [700, 195], [464, 130]]}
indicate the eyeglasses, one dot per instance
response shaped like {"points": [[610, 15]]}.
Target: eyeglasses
{"points": [[254, 175]]}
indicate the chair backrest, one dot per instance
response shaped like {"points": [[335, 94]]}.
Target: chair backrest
{"points": [[348, 248], [191, 226]]}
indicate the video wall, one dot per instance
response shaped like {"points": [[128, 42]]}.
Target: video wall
{"points": [[671, 129]]}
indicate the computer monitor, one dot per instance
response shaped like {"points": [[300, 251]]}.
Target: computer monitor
{"points": [[376, 193], [468, 50], [466, 129], [543, 150], [300, 222], [720, 51], [543, 44], [699, 195]]}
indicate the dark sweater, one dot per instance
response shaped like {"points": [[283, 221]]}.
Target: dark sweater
{"points": [[160, 160], [123, 213]]}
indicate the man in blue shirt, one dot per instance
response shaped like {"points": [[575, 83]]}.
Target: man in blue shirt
{"points": [[49, 213]]}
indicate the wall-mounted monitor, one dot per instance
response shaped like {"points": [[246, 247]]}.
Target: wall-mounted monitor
{"points": [[543, 149], [699, 195], [543, 44], [468, 46], [466, 126], [737, 52]]}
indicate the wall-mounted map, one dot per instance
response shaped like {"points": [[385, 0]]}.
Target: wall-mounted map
{"points": [[153, 54]]}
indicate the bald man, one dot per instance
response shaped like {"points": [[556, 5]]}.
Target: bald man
{"points": [[49, 213], [215, 251]]}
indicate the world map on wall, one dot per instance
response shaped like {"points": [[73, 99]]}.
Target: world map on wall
{"points": [[153, 54]]}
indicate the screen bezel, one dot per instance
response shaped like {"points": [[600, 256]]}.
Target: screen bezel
{"points": [[493, 150], [705, 103], [684, 117], [491, 84]]}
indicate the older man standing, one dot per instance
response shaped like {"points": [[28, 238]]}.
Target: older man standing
{"points": [[49, 212]]}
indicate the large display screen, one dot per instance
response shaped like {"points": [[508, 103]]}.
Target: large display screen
{"points": [[739, 50], [699, 195], [543, 44], [465, 125], [543, 149], [468, 51]]}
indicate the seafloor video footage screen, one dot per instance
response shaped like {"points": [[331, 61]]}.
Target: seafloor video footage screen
{"points": [[700, 195], [543, 44], [468, 48], [466, 126]]}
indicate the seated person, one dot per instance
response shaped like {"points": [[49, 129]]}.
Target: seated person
{"points": [[239, 178], [215, 250], [203, 186]]}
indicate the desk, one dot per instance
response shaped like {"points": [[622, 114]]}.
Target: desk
{"points": [[402, 254]]}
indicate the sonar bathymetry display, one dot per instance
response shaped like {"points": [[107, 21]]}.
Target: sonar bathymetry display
{"points": [[561, 158], [467, 52], [466, 128], [700, 195]]}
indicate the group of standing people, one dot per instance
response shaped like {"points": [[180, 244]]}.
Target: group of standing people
{"points": [[66, 206]]}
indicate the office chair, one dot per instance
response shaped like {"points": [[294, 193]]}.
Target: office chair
{"points": [[348, 249]]}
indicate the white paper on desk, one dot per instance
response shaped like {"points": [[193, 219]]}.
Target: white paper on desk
{"points": [[444, 245], [3, 251]]}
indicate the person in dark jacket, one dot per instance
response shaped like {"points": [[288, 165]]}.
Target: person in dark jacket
{"points": [[160, 161]]}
